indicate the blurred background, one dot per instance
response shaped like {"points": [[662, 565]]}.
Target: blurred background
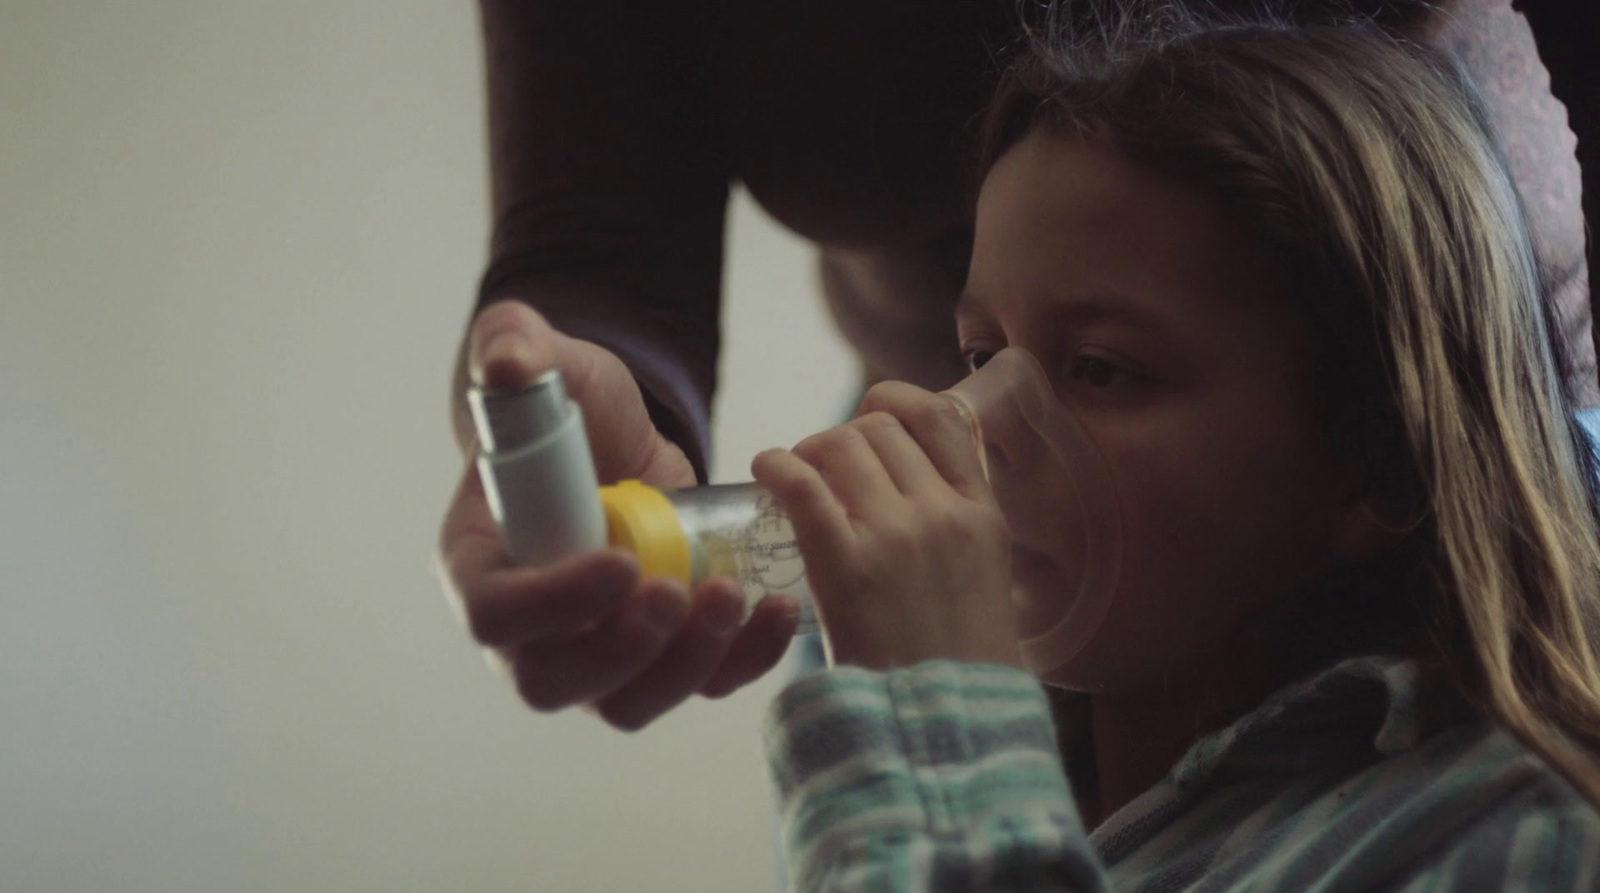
{"points": [[238, 246]]}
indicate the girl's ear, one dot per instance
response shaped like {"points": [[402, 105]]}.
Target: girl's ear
{"points": [[1374, 519], [1362, 533]]}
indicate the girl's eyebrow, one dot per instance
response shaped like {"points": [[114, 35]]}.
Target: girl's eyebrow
{"points": [[1083, 310], [1097, 308]]}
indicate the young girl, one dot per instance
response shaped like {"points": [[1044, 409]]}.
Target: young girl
{"points": [[1281, 278]]}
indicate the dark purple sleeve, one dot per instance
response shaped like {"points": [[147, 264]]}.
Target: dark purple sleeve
{"points": [[609, 187]]}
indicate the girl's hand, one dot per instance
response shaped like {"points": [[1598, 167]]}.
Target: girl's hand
{"points": [[905, 549]]}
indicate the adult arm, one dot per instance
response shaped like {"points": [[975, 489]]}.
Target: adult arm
{"points": [[608, 200], [608, 186]]}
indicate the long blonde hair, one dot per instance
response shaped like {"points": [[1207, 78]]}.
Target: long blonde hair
{"points": [[1368, 163]]}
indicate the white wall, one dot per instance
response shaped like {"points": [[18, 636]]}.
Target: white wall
{"points": [[237, 245]]}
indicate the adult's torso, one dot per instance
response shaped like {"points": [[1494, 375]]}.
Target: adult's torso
{"points": [[853, 123]]}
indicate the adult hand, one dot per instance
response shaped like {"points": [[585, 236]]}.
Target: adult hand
{"points": [[906, 551], [588, 630]]}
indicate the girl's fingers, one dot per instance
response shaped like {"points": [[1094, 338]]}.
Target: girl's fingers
{"points": [[902, 457], [688, 661], [940, 427], [760, 645], [852, 470], [811, 504], [553, 675]]}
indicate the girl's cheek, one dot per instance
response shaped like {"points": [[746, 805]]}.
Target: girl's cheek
{"points": [[1164, 595]]}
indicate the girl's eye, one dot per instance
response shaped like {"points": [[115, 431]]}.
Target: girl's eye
{"points": [[976, 358], [1097, 372]]}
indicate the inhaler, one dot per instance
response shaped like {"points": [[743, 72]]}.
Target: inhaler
{"points": [[1046, 473], [539, 477]]}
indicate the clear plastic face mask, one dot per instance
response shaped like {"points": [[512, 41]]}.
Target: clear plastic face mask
{"points": [[1059, 503]]}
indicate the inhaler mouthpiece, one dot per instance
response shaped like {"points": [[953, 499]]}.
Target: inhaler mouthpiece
{"points": [[1053, 487]]}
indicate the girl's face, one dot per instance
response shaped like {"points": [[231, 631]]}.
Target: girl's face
{"points": [[1169, 333]]}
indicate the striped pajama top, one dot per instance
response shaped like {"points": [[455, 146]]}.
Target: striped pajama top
{"points": [[946, 776]]}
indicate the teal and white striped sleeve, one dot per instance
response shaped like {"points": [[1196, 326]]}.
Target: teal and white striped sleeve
{"points": [[940, 776], [1541, 837]]}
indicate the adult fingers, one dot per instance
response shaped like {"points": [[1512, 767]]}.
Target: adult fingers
{"points": [[551, 675], [502, 604], [510, 344], [516, 605], [467, 520], [685, 665], [758, 648]]}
